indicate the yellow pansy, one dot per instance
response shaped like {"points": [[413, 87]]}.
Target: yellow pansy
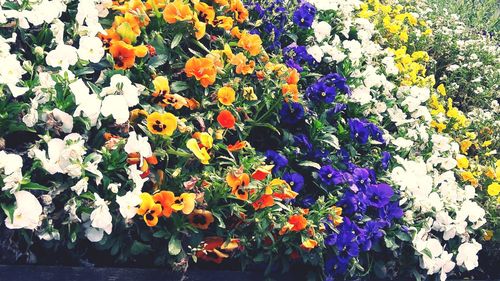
{"points": [[490, 173], [462, 162], [249, 93], [200, 153], [161, 85], [494, 189], [206, 140], [226, 95], [441, 89], [465, 145], [162, 123], [184, 203], [486, 143]]}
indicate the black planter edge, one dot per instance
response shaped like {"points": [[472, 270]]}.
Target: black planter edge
{"points": [[65, 273]]}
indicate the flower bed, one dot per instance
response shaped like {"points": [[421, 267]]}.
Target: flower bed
{"points": [[267, 135]]}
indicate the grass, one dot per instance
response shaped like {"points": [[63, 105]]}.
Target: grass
{"points": [[478, 14]]}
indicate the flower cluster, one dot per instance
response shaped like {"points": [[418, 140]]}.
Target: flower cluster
{"points": [[275, 132]]}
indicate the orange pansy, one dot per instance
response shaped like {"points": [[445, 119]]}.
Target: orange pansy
{"points": [[206, 13], [215, 249], [177, 11], [238, 145], [166, 199], [290, 90], [201, 219], [309, 244], [250, 42], [226, 119], [294, 76], [203, 69], [263, 202], [262, 172], [295, 223], [235, 32], [200, 29], [224, 22], [238, 183], [222, 2], [155, 4], [124, 54], [149, 209], [128, 27], [185, 203], [240, 12]]}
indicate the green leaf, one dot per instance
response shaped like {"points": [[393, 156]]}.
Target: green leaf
{"points": [[177, 39], [160, 234], [158, 60], [403, 236], [139, 248], [179, 86], [221, 221], [34, 186], [389, 242], [174, 246], [427, 252], [8, 209]]}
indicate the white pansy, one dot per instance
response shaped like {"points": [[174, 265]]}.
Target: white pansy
{"points": [[81, 186], [114, 187], [87, 16], [11, 171], [80, 91], [316, 52], [402, 143], [63, 118], [27, 212], [63, 155], [10, 163], [45, 11], [115, 106], [322, 30], [11, 73], [128, 204], [90, 107], [361, 95], [57, 28], [91, 164], [467, 255], [62, 56], [100, 217], [118, 97], [90, 49], [134, 174], [30, 118], [139, 144]]}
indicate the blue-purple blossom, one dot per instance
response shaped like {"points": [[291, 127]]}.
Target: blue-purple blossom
{"points": [[274, 158], [304, 15], [362, 129], [319, 93], [330, 176], [302, 141], [297, 56], [295, 180], [291, 113], [384, 161], [379, 195]]}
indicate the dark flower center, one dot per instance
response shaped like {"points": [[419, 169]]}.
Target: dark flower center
{"points": [[199, 219]]}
